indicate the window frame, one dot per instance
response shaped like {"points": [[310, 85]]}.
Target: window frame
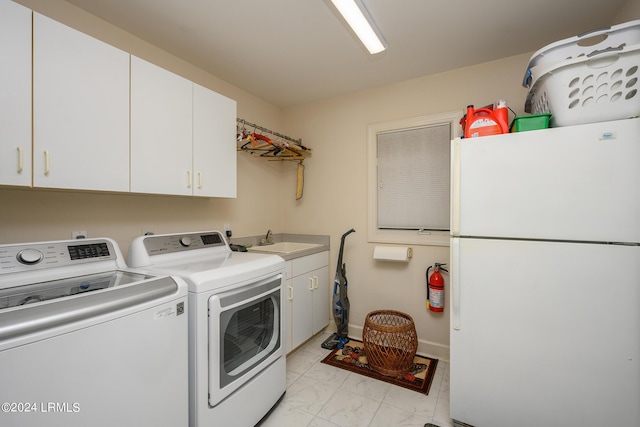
{"points": [[399, 236]]}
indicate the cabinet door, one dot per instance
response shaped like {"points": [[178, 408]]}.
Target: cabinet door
{"points": [[301, 313], [288, 310], [15, 94], [321, 299], [214, 148], [80, 110], [161, 130]]}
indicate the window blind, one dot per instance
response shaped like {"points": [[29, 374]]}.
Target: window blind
{"points": [[413, 178]]}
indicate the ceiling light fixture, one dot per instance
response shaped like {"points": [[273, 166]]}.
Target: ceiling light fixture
{"points": [[357, 16]]}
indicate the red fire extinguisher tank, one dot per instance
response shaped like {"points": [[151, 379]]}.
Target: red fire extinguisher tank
{"points": [[435, 288]]}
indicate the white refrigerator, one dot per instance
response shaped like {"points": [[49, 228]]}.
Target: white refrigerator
{"points": [[545, 276]]}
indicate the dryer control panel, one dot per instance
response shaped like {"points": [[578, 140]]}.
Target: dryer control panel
{"points": [[171, 243]]}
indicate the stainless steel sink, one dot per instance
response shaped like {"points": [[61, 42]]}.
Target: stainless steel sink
{"points": [[284, 247]]}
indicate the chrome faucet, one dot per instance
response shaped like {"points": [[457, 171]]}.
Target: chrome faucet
{"points": [[268, 239]]}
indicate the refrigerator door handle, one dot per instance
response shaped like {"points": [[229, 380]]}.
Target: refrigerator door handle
{"points": [[455, 283], [455, 187]]}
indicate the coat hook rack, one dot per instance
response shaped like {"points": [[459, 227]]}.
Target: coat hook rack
{"points": [[280, 147]]}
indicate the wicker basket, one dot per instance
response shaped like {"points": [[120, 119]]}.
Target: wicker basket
{"points": [[390, 342]]}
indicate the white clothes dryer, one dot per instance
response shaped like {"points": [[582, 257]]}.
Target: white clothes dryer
{"points": [[237, 365]]}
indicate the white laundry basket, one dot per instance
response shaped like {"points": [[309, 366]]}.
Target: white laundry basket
{"points": [[597, 87], [583, 45]]}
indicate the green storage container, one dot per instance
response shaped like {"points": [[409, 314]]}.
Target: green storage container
{"points": [[534, 122]]}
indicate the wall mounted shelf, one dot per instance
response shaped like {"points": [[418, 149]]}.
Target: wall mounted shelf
{"points": [[251, 138]]}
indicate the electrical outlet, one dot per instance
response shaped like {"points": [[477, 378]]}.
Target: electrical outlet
{"points": [[227, 227], [79, 234], [147, 230]]}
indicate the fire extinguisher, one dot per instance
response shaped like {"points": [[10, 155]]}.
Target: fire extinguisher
{"points": [[435, 288]]}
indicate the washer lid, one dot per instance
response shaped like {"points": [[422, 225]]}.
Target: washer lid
{"points": [[43, 291], [20, 321]]}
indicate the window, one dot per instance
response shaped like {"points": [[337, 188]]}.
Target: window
{"points": [[409, 163]]}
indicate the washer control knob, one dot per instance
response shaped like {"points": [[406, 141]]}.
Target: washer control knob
{"points": [[185, 241], [29, 256]]}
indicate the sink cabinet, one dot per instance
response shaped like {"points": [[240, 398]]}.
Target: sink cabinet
{"points": [[307, 297]]}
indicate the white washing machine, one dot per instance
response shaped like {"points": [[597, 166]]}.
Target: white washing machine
{"points": [[237, 365], [85, 341]]}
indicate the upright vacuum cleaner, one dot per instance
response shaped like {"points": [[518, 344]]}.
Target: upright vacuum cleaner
{"points": [[340, 303]]}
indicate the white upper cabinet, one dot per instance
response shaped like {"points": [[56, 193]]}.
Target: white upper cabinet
{"points": [[77, 113], [161, 130], [15, 94], [214, 148], [80, 110], [182, 135]]}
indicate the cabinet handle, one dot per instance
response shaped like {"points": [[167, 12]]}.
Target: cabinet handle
{"points": [[310, 283], [199, 179], [20, 160], [315, 282], [47, 162], [290, 293], [188, 179]]}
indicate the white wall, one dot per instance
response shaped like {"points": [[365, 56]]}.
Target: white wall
{"points": [[335, 197], [335, 193], [629, 12]]}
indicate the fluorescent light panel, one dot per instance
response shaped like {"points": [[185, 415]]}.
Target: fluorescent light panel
{"points": [[361, 23]]}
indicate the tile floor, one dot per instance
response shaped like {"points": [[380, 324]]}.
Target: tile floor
{"points": [[318, 396]]}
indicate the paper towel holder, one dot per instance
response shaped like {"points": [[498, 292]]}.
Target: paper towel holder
{"points": [[393, 253]]}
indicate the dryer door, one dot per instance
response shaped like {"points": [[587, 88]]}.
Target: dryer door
{"points": [[245, 326]]}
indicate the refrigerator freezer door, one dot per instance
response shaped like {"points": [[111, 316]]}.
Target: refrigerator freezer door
{"points": [[572, 183], [549, 334]]}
